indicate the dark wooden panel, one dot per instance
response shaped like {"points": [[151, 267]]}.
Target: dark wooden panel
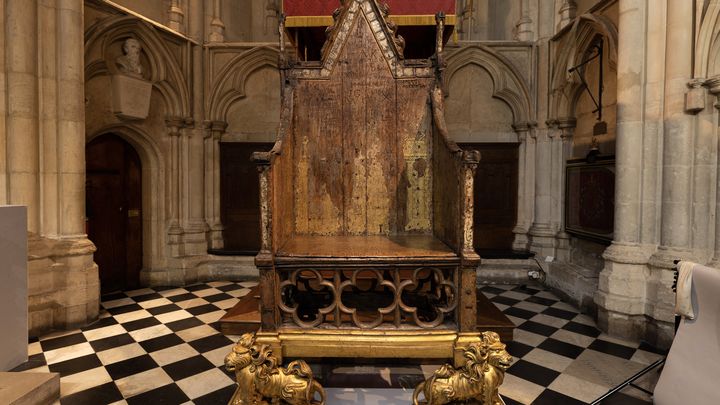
{"points": [[240, 196], [114, 211], [496, 183]]}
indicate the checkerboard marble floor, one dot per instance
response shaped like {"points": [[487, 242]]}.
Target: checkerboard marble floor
{"points": [[163, 346]]}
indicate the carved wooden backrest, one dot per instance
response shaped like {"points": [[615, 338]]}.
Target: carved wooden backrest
{"points": [[362, 134]]}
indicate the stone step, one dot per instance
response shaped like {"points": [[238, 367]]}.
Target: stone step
{"points": [[29, 388], [505, 271]]}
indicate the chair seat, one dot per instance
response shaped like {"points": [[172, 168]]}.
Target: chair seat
{"points": [[372, 246]]}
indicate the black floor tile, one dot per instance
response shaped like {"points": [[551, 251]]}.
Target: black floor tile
{"points": [[113, 296], [169, 394], [559, 313], [561, 348], [183, 324], [539, 328], [510, 401], [101, 323], [518, 349], [197, 287], [34, 361], [202, 309], [221, 396], [582, 329], [64, 341], [141, 324], [230, 287], [209, 343], [187, 367], [76, 365], [147, 297], [102, 394], [164, 309], [612, 348], [550, 397], [217, 297], [504, 300], [526, 289], [542, 301], [519, 313], [182, 297], [111, 342], [131, 366], [532, 372], [161, 342], [124, 309]]}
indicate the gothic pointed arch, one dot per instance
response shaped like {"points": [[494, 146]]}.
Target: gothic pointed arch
{"points": [[707, 55], [233, 77], [508, 84], [164, 69], [565, 86]]}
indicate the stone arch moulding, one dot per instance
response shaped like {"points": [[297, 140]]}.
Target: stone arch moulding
{"points": [[164, 70], [565, 87], [153, 193], [707, 48], [508, 86], [232, 78]]}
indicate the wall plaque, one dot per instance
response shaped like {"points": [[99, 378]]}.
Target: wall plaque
{"points": [[590, 199]]}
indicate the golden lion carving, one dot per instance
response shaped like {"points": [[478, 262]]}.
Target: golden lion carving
{"points": [[479, 379], [261, 382]]}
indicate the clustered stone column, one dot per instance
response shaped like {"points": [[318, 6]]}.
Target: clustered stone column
{"points": [[713, 85], [174, 124], [212, 182], [526, 181], [217, 28], [542, 231], [524, 28], [44, 157], [568, 10]]}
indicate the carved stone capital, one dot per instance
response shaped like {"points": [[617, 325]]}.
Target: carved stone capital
{"points": [[174, 124]]}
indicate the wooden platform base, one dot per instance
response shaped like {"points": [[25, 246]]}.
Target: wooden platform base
{"points": [[245, 317]]}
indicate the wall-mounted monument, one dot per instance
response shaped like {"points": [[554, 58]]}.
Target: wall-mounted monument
{"points": [[131, 91]]}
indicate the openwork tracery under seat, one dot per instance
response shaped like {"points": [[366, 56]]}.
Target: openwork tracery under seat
{"points": [[367, 298]]}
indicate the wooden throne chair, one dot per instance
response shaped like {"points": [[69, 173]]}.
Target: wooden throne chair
{"points": [[366, 206]]}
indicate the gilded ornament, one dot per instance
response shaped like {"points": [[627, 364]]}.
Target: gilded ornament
{"points": [[479, 379], [261, 381]]}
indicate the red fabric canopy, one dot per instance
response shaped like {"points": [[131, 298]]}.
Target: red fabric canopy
{"points": [[397, 7]]}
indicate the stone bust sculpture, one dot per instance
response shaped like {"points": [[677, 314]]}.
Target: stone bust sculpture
{"points": [[129, 62]]}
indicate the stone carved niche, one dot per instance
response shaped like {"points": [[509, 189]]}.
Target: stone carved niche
{"points": [[131, 92]]}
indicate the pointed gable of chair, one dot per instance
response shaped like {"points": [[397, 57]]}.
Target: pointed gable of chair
{"points": [[340, 35]]}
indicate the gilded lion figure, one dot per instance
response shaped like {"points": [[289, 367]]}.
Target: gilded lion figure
{"points": [[479, 379], [261, 381]]}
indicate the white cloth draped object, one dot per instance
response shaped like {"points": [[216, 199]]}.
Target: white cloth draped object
{"points": [[692, 369], [683, 301]]}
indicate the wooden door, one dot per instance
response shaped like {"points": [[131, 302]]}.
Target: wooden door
{"points": [[240, 196], [114, 214], [496, 183]]}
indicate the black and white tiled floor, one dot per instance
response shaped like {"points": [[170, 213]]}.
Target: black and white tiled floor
{"points": [[163, 346]]}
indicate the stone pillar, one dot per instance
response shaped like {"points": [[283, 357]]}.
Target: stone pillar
{"points": [[212, 183], [71, 119], [542, 231], [562, 149], [196, 228], [622, 282], [568, 11], [22, 153], [217, 28], [174, 228], [176, 16], [526, 178], [524, 28]]}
